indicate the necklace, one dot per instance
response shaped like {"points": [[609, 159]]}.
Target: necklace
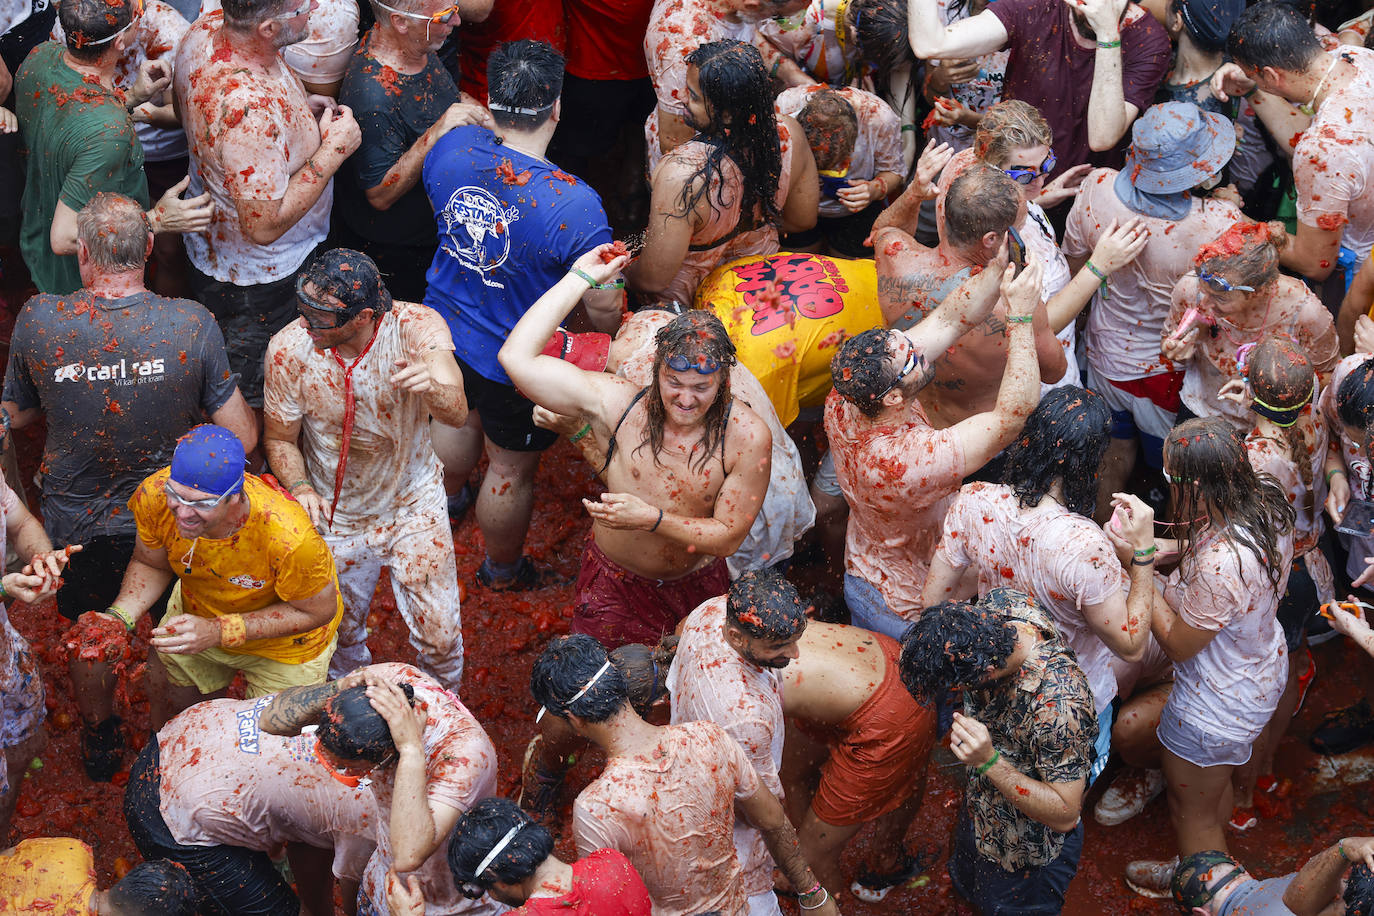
{"points": [[1310, 108]]}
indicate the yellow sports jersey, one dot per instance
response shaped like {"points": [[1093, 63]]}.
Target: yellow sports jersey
{"points": [[787, 315], [47, 875], [276, 556]]}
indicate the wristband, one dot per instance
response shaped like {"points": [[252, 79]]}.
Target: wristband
{"points": [[773, 73], [577, 436], [1020, 319], [1332, 473], [1253, 90], [824, 900], [302, 482], [910, 127], [1143, 561], [115, 610], [614, 284], [233, 631], [659, 522], [4, 592], [1340, 847], [996, 756], [883, 182], [1102, 278], [1148, 551], [1105, 45], [816, 887]]}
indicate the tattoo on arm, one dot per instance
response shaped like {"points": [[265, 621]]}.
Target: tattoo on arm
{"points": [[295, 708], [994, 327]]}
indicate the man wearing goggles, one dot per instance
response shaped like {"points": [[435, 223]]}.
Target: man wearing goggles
{"points": [[356, 370], [253, 584], [687, 466]]}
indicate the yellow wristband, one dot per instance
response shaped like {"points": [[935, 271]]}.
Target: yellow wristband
{"points": [[233, 631]]}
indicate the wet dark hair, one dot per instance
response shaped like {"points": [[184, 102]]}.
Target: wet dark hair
{"points": [[859, 370], [523, 74], [565, 668], [981, 200], [1283, 382], [1064, 438], [698, 335], [351, 729], [156, 888], [1209, 455], [739, 96], [1273, 34], [763, 605], [1355, 396], [1359, 891], [879, 30], [481, 828], [85, 21], [646, 671], [831, 128], [954, 644]]}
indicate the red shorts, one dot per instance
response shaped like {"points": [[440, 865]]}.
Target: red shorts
{"points": [[878, 755], [619, 607]]}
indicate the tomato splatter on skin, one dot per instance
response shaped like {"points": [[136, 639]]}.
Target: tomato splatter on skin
{"points": [[1332, 222]]}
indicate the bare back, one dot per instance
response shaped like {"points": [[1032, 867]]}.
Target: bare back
{"points": [[838, 669]]}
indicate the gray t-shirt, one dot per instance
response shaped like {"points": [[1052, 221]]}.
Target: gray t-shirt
{"points": [[1258, 898], [119, 380]]}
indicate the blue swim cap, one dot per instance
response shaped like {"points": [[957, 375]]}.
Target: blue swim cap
{"points": [[209, 458]]}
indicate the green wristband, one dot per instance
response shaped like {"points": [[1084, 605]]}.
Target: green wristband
{"points": [[614, 284], [1332, 473], [123, 615], [1020, 319], [996, 756], [1106, 45], [4, 592], [577, 436]]}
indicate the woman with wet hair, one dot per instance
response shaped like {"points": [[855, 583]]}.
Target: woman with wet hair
{"points": [[1235, 296], [1289, 442], [1216, 622]]}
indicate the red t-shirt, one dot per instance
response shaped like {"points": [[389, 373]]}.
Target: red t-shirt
{"points": [[1049, 70], [606, 38], [541, 20], [604, 884]]}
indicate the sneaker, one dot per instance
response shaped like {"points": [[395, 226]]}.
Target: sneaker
{"points": [[1128, 795], [1151, 877], [102, 749], [1344, 730], [526, 577], [1305, 680], [1242, 819]]}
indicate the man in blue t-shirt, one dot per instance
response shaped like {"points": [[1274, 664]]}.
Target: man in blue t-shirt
{"points": [[510, 225], [1213, 883]]}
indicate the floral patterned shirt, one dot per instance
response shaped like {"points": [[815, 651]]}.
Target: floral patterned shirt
{"points": [[1043, 721]]}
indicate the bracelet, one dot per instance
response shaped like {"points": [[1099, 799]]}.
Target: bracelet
{"points": [[233, 631], [996, 756], [115, 610], [883, 182], [815, 887], [1332, 473], [1101, 277], [1020, 319], [1253, 90], [1148, 551], [1340, 847], [1105, 45], [910, 127], [824, 900], [4, 592], [614, 284], [303, 481], [577, 436], [773, 73], [1143, 561], [659, 522]]}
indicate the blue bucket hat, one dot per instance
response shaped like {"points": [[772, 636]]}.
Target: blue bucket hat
{"points": [[210, 459], [1176, 146]]}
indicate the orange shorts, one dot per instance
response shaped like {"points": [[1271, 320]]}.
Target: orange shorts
{"points": [[878, 755]]}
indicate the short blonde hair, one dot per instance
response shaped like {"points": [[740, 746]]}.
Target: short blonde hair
{"points": [[1010, 125]]}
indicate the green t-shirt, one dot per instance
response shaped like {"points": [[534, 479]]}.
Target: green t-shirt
{"points": [[80, 140]]}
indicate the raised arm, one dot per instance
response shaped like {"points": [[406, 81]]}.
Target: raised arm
{"points": [[1319, 882], [902, 212], [1109, 114], [1117, 247], [984, 435], [971, 37]]}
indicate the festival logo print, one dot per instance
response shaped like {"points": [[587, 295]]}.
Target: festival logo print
{"points": [[476, 231]]}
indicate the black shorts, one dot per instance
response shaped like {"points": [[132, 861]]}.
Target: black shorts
{"points": [[230, 880], [506, 414], [1297, 605], [248, 316], [843, 234], [93, 577], [595, 112]]}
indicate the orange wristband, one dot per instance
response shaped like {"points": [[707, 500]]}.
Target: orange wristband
{"points": [[233, 631]]}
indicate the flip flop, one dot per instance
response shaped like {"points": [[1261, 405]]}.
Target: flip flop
{"points": [[873, 888]]}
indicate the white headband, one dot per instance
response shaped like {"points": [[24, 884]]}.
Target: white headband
{"points": [[496, 106], [580, 694], [496, 851]]}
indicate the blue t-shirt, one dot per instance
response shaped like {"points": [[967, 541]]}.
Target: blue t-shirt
{"points": [[1259, 898], [510, 226]]}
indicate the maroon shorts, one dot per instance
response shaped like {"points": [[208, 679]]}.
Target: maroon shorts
{"points": [[619, 607]]}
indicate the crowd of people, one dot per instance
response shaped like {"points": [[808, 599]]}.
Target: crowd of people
{"points": [[967, 381]]}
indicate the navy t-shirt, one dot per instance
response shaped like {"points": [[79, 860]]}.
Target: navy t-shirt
{"points": [[510, 225]]}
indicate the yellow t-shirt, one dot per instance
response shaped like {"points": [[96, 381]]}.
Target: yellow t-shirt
{"points": [[788, 344], [47, 875], [276, 556]]}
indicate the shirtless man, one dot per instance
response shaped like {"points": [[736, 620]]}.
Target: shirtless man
{"points": [[267, 153], [723, 194], [669, 795], [687, 471], [896, 471], [981, 206]]}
